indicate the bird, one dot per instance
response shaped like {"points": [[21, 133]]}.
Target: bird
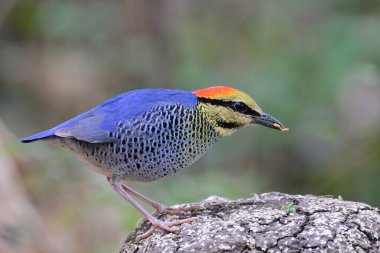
{"points": [[147, 134]]}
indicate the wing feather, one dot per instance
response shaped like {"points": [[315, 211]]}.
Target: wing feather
{"points": [[95, 125]]}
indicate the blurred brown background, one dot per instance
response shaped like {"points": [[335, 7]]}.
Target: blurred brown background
{"points": [[315, 65]]}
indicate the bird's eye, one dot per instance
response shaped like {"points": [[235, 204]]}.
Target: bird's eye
{"points": [[240, 107]]}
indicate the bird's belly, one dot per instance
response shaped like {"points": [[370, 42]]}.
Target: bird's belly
{"points": [[142, 160]]}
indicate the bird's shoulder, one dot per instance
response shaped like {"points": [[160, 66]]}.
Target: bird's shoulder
{"points": [[133, 103]]}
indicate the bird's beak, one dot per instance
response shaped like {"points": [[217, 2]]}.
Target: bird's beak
{"points": [[269, 121]]}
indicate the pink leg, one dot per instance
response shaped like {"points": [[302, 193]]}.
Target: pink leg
{"points": [[164, 225], [159, 207]]}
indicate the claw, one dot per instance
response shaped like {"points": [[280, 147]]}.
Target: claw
{"points": [[174, 210]]}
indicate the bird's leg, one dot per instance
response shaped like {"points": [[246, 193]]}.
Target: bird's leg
{"points": [[159, 207], [164, 225]]}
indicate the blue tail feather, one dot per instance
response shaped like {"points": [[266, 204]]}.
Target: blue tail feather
{"points": [[38, 136]]}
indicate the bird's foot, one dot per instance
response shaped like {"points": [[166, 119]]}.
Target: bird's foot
{"points": [[169, 226], [179, 210]]}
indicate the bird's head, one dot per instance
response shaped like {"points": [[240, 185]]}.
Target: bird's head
{"points": [[228, 109]]}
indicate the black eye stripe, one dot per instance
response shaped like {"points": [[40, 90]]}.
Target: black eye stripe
{"points": [[236, 106], [218, 102]]}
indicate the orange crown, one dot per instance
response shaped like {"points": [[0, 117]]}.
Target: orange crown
{"points": [[215, 91]]}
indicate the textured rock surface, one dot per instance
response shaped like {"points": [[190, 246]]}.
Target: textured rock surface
{"points": [[270, 222]]}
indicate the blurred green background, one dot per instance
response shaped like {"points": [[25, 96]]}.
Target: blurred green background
{"points": [[314, 65]]}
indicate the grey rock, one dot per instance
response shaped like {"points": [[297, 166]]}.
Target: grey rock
{"points": [[270, 222]]}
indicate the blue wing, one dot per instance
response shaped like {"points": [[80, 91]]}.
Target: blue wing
{"points": [[94, 125]]}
